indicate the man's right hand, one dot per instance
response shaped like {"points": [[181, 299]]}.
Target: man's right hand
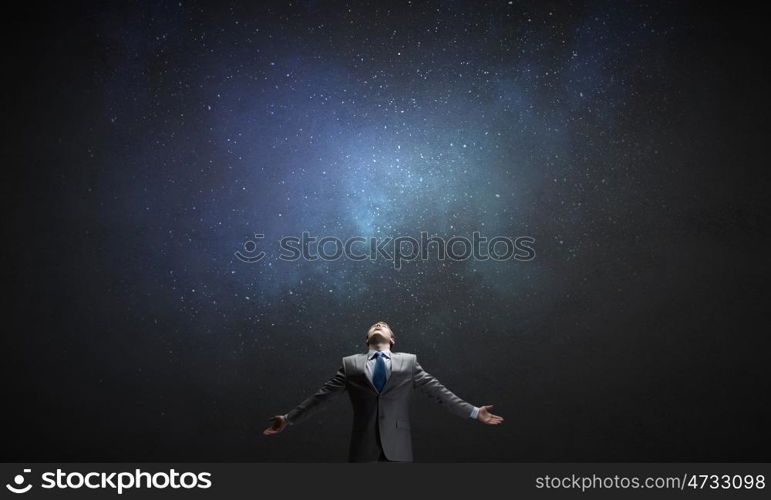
{"points": [[279, 423]]}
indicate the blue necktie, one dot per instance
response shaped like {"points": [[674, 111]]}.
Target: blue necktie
{"points": [[379, 375]]}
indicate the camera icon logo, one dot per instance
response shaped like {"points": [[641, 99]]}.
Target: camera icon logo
{"points": [[18, 480]]}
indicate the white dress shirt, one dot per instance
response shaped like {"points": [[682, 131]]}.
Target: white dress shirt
{"points": [[369, 369]]}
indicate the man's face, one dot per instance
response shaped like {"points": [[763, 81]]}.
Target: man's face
{"points": [[380, 333]]}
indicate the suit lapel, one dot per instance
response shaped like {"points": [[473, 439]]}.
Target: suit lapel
{"points": [[361, 365], [396, 368]]}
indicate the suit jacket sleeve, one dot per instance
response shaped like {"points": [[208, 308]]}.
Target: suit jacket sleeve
{"points": [[430, 386], [313, 404]]}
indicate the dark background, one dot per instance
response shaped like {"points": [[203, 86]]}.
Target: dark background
{"points": [[144, 143]]}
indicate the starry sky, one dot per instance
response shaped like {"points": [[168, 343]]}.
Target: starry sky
{"points": [[149, 141]]}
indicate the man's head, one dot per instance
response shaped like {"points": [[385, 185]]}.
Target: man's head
{"points": [[380, 334]]}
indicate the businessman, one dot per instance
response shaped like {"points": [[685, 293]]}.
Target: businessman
{"points": [[380, 384]]}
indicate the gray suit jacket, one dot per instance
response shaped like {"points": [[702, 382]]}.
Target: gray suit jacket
{"points": [[385, 413]]}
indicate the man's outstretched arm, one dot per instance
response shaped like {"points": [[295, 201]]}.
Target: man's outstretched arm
{"points": [[329, 390], [430, 386]]}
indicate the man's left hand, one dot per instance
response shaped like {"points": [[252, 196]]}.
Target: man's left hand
{"points": [[488, 418]]}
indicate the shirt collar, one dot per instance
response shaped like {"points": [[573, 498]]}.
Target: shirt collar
{"points": [[387, 353]]}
